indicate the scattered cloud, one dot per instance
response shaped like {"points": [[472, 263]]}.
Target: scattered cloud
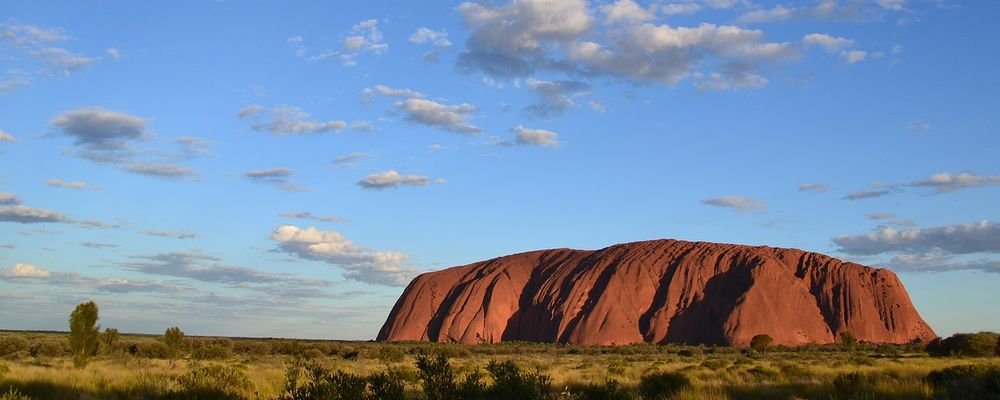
{"points": [[6, 137], [107, 137], [738, 203], [129, 286], [853, 56], [310, 216], [938, 262], [279, 177], [173, 234], [983, 236], [392, 179], [431, 113], [439, 39], [814, 187], [535, 137], [947, 182], [24, 271], [627, 11], [362, 126], [287, 120], [368, 94], [866, 194], [359, 263], [113, 53], [878, 216], [919, 126], [98, 245], [829, 43], [556, 97], [34, 53], [59, 183], [28, 215], [9, 199], [680, 8], [364, 38], [350, 159], [203, 267]]}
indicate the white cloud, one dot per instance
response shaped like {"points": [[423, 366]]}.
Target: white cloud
{"points": [[61, 60], [59, 183], [100, 128], [364, 37], [24, 271], [431, 113], [535, 137], [627, 11], [359, 263], [288, 120], [947, 182], [983, 236], [738, 203], [392, 179], [895, 5], [439, 39], [853, 56], [814, 187], [919, 126], [878, 216], [9, 199], [113, 53], [680, 8], [28, 215], [6, 137], [362, 126], [830, 43], [778, 13], [368, 94]]}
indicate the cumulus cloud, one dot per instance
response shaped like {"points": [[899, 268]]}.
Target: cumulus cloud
{"points": [[431, 113], [829, 43], [556, 97], [359, 263], [829, 10], [937, 262], [24, 271], [983, 236], [59, 183], [287, 120], [9, 199], [364, 37], [439, 39], [392, 179], [279, 177], [106, 137], [522, 37], [310, 216], [948, 182], [6, 137], [738, 203], [814, 187], [680, 8], [535, 137]]}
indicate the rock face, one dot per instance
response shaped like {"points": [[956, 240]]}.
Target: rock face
{"points": [[661, 291]]}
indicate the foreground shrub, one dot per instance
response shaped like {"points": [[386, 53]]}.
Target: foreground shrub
{"points": [[13, 394], [11, 344], [610, 390], [511, 382], [321, 384], [215, 382], [966, 382], [437, 376], [662, 385], [854, 384]]}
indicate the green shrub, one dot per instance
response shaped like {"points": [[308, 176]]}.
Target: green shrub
{"points": [[387, 353], [173, 338], [848, 339], [212, 352], [252, 347], [982, 344], [215, 382], [854, 384], [511, 382], [662, 385], [150, 349], [437, 376], [83, 331], [49, 348], [10, 344], [761, 342], [109, 339], [387, 386], [966, 382], [715, 364]]}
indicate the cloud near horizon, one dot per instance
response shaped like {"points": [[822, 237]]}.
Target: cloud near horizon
{"points": [[359, 263]]}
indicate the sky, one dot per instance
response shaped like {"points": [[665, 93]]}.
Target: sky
{"points": [[283, 169]]}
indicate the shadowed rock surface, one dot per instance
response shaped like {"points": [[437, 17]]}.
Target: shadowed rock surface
{"points": [[660, 291]]}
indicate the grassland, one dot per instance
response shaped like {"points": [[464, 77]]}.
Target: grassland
{"points": [[137, 367]]}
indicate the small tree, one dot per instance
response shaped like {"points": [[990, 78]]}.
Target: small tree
{"points": [[108, 339], [760, 342], [848, 339], [173, 338], [83, 331]]}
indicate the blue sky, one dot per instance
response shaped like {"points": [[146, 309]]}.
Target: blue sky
{"points": [[273, 169]]}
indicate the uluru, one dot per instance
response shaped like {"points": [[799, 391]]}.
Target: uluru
{"points": [[658, 291]]}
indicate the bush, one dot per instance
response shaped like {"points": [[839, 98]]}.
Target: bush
{"points": [[982, 344], [610, 390], [387, 386], [150, 349], [761, 342], [848, 339], [83, 331], [662, 385], [173, 338], [966, 382], [13, 394], [49, 348], [387, 353], [108, 339], [252, 347], [215, 382], [212, 352], [10, 344], [853, 384], [320, 384], [437, 376], [511, 382]]}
